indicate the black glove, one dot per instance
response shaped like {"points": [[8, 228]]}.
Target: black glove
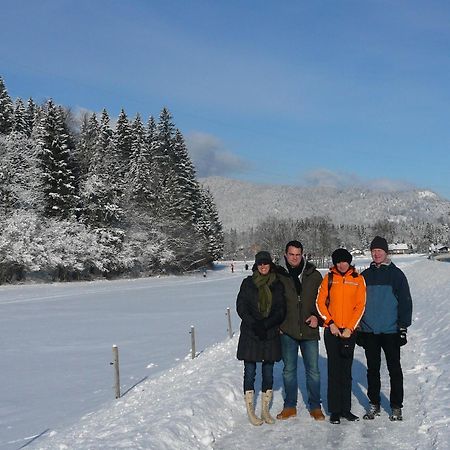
{"points": [[260, 330], [360, 341], [402, 336]]}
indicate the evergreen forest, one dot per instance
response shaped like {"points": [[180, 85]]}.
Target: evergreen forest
{"points": [[87, 197]]}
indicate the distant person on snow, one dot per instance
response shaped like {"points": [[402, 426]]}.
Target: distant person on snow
{"points": [[384, 325], [340, 303], [262, 307], [232, 267], [301, 282]]}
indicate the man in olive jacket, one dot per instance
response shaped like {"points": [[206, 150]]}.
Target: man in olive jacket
{"points": [[301, 281]]}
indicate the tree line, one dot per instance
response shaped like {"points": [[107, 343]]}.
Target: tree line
{"points": [[321, 236], [81, 198]]}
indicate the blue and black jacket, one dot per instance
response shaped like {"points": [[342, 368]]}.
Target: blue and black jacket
{"points": [[388, 301]]}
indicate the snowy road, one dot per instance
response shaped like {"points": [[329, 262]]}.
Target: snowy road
{"points": [[426, 363]]}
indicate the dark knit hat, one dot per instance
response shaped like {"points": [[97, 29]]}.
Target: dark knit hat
{"points": [[341, 255], [379, 242], [263, 257]]}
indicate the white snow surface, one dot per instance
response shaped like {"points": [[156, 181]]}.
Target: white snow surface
{"points": [[55, 373]]}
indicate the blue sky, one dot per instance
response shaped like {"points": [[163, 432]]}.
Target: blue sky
{"points": [[323, 92]]}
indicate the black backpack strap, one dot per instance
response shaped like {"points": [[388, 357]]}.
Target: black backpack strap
{"points": [[330, 283]]}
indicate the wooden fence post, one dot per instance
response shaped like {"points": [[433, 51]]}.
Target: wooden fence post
{"points": [[229, 329], [115, 363], [192, 333]]}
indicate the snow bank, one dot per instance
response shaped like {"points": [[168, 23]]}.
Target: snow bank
{"points": [[190, 406], [199, 405]]}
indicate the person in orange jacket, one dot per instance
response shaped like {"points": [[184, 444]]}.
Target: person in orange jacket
{"points": [[341, 300]]}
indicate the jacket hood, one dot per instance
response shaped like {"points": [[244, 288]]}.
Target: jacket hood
{"points": [[308, 267]]}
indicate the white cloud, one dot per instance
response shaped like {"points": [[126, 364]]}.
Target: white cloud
{"points": [[386, 184], [343, 180], [211, 157]]}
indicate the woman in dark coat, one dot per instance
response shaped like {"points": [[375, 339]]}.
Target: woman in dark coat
{"points": [[262, 308]]}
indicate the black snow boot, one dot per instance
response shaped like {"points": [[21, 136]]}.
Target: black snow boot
{"points": [[372, 412], [335, 418], [396, 414], [349, 416]]}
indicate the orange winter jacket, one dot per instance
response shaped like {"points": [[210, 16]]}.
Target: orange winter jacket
{"points": [[347, 299]]}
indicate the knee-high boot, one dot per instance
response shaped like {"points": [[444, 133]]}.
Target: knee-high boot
{"points": [[266, 399], [249, 398]]}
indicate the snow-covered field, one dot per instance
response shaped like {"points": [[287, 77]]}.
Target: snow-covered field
{"points": [[55, 373]]}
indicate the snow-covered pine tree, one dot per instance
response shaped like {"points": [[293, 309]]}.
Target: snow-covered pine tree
{"points": [[59, 189], [6, 109], [89, 134], [139, 176], [161, 166], [31, 116], [210, 226], [122, 141], [185, 183], [173, 174], [20, 124], [150, 130], [103, 144], [100, 191], [69, 124], [19, 175], [105, 156]]}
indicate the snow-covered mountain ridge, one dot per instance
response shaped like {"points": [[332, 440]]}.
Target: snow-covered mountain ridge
{"points": [[343, 206]]}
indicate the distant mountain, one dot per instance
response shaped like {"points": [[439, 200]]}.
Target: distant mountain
{"points": [[243, 204]]}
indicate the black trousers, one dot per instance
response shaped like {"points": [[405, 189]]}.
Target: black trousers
{"points": [[339, 372], [389, 343]]}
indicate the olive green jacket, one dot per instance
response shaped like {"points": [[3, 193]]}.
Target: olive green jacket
{"points": [[299, 308]]}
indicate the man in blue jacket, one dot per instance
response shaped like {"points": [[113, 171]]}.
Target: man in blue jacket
{"points": [[384, 324]]}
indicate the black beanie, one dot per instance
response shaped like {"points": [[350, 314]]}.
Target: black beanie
{"points": [[263, 257], [341, 255], [379, 242]]}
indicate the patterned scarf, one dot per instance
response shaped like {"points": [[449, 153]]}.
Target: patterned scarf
{"points": [[263, 283]]}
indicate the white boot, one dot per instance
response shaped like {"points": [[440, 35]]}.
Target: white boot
{"points": [[249, 396], [266, 399]]}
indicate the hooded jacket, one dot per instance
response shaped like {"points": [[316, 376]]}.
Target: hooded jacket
{"points": [[347, 299], [300, 307], [389, 303]]}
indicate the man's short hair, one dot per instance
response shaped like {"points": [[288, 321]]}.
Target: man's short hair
{"points": [[296, 244]]}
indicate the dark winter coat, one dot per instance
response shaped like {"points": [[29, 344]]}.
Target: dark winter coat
{"points": [[250, 346], [300, 307], [389, 303]]}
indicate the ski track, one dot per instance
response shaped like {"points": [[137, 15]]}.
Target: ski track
{"points": [[149, 283]]}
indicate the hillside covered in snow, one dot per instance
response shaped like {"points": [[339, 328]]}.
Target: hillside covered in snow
{"points": [[347, 206]]}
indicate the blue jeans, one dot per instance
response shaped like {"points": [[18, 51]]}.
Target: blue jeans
{"points": [[310, 354], [250, 373]]}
